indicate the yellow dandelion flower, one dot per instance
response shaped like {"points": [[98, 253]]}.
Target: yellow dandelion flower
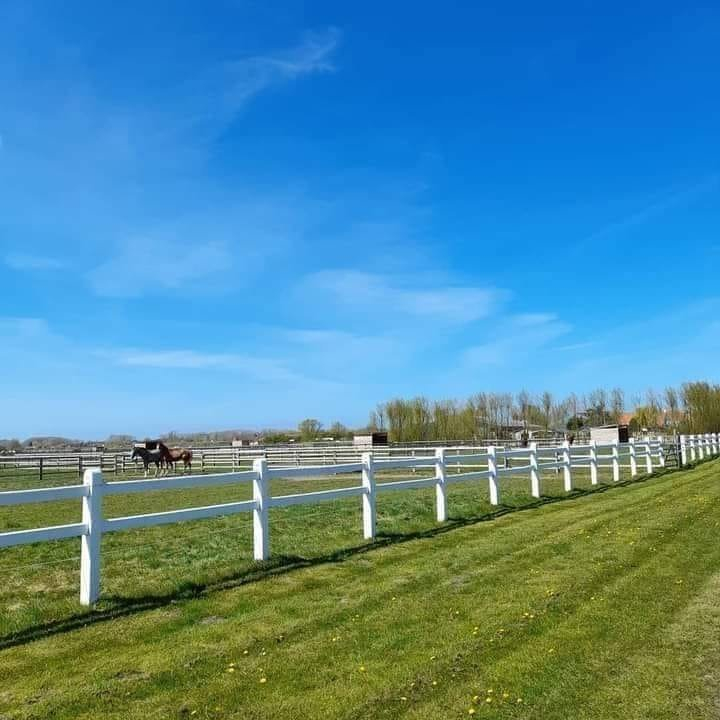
{"points": [[476, 698], [231, 669], [506, 695], [362, 668], [471, 711], [245, 652], [519, 700], [263, 680], [403, 698], [488, 700]]}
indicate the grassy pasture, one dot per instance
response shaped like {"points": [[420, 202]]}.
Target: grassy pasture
{"points": [[601, 606]]}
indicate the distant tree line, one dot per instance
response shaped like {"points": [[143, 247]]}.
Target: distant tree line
{"points": [[693, 408], [493, 415]]}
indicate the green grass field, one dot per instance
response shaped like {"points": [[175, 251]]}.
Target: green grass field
{"points": [[598, 605]]}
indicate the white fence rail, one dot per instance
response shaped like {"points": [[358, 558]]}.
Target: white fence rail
{"points": [[479, 464]]}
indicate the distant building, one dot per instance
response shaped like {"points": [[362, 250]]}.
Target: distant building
{"points": [[610, 433], [371, 439]]}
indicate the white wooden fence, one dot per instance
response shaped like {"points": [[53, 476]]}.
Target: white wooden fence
{"points": [[474, 465], [235, 458]]}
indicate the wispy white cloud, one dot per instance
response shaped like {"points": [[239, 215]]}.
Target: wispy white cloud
{"points": [[212, 250], [657, 207], [574, 347], [264, 369], [251, 75], [213, 98], [451, 304], [342, 354], [337, 338], [25, 261], [146, 264], [23, 327], [515, 339]]}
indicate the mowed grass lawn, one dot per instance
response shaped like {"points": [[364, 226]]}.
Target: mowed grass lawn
{"points": [[604, 605]]}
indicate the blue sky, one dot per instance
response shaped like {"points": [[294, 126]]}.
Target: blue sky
{"points": [[240, 214]]}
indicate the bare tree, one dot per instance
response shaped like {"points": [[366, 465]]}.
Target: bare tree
{"points": [[617, 403], [523, 400], [309, 428], [547, 406], [652, 400], [673, 405]]}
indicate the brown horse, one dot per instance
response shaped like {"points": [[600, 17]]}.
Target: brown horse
{"points": [[174, 455]]}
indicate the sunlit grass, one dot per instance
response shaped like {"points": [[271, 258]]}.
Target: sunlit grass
{"points": [[600, 606]]}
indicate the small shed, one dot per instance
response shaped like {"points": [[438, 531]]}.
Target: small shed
{"points": [[371, 439], [610, 433]]}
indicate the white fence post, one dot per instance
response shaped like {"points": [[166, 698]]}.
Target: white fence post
{"points": [[492, 476], [661, 454], [534, 473], [593, 463], [708, 445], [261, 516], [714, 443], [368, 498], [90, 541], [648, 457], [683, 450], [616, 460], [693, 453], [633, 458], [567, 473], [440, 486], [700, 447]]}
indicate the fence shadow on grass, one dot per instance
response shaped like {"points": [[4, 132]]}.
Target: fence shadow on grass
{"points": [[114, 607]]}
